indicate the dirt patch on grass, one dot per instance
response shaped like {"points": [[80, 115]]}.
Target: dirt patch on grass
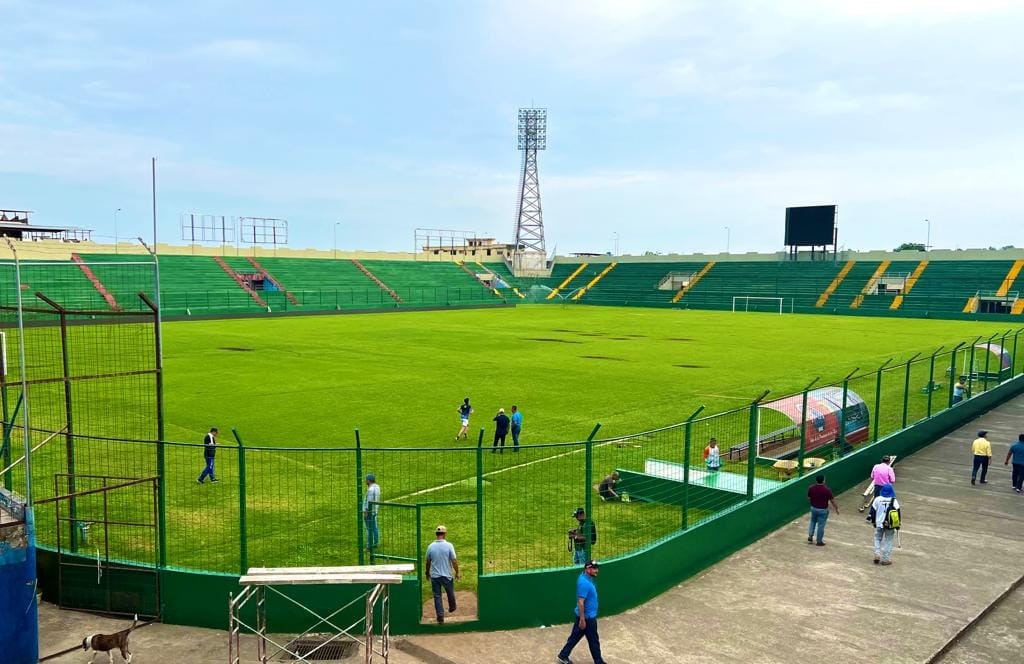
{"points": [[603, 357], [690, 366], [679, 339], [237, 349], [551, 340]]}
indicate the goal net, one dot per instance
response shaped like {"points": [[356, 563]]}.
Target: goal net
{"points": [[762, 303]]}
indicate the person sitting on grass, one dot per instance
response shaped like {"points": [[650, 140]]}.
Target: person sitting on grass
{"points": [[607, 487]]}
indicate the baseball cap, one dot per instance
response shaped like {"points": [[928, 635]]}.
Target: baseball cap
{"points": [[982, 433], [593, 563], [579, 510], [441, 529], [371, 478], [501, 410]]}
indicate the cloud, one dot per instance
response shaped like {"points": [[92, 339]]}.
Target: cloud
{"points": [[252, 51]]}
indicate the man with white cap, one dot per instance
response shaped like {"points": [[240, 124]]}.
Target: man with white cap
{"points": [[370, 506], [982, 451], [441, 565]]}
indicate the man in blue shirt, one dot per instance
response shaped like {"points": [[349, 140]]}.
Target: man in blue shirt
{"points": [[517, 426], [1017, 454], [441, 563], [586, 616]]}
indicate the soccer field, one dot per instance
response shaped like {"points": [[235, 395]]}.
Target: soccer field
{"points": [[310, 381]]}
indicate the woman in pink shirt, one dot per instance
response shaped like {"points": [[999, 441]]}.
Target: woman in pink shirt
{"points": [[881, 474]]}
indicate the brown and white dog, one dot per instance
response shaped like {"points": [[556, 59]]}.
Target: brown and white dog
{"points": [[109, 642]]}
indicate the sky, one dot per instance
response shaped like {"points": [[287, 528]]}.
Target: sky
{"points": [[674, 126]]}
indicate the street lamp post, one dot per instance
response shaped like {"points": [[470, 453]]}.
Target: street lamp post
{"points": [[335, 245], [115, 229], [616, 244], [928, 237], [728, 233]]}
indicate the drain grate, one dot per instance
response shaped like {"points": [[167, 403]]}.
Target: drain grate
{"points": [[337, 649]]}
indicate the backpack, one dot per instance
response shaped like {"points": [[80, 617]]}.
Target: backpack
{"points": [[892, 518]]}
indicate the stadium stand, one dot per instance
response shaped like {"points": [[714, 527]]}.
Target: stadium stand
{"points": [[195, 285], [430, 284]]}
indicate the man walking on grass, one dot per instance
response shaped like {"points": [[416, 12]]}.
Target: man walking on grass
{"points": [[982, 451], [586, 616], [209, 452], [819, 496], [1016, 453]]}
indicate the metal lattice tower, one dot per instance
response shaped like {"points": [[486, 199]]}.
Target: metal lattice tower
{"points": [[533, 136]]}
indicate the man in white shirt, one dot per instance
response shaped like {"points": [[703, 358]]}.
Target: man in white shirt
{"points": [[370, 507], [441, 564]]}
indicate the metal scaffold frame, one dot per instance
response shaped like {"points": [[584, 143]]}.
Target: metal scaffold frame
{"points": [[259, 580]]}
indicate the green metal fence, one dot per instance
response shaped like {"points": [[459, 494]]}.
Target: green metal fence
{"points": [[507, 510]]}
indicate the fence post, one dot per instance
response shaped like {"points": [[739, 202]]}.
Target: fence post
{"points": [[588, 498], [970, 370], [953, 375], [1013, 364], [906, 390], [480, 506], [931, 378], [803, 430], [243, 541], [878, 397], [841, 437], [1002, 346], [752, 444], [359, 499], [686, 466], [988, 357]]}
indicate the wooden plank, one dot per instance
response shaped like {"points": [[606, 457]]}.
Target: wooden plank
{"points": [[318, 579], [395, 568]]}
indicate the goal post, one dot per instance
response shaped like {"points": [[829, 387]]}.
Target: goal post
{"points": [[761, 303]]}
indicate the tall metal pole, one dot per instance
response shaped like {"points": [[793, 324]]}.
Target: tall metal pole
{"points": [[115, 229], [27, 436], [728, 234], [334, 246], [161, 452], [928, 238]]}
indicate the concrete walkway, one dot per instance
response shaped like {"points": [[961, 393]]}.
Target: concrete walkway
{"points": [[778, 600]]}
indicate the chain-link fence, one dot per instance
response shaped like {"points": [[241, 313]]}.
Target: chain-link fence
{"points": [[506, 509]]}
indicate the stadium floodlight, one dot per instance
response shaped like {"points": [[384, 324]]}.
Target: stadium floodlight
{"points": [[529, 228], [533, 129]]}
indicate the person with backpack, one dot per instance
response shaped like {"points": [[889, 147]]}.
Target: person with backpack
{"points": [[582, 537], [885, 518]]}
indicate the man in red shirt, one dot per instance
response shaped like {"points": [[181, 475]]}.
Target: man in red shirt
{"points": [[819, 496]]}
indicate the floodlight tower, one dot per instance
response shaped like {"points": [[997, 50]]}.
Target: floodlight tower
{"points": [[530, 252]]}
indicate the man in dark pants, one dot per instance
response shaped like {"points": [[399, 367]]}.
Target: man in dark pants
{"points": [[586, 616], [517, 426], [501, 423], [982, 451], [209, 451], [442, 565], [1016, 453]]}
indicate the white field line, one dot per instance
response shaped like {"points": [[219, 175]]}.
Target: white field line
{"points": [[508, 469]]}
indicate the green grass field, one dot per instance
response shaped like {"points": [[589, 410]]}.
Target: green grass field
{"points": [[399, 378], [309, 382]]}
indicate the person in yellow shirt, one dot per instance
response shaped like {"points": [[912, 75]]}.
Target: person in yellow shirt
{"points": [[982, 451]]}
